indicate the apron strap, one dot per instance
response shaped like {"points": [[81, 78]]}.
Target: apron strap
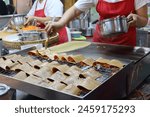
{"points": [[36, 5], [44, 5]]}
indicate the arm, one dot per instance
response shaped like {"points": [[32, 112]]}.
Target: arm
{"points": [[69, 15], [140, 18], [66, 18], [40, 19]]}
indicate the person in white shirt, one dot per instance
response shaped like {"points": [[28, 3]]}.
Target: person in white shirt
{"points": [[47, 10], [135, 9], [44, 10]]}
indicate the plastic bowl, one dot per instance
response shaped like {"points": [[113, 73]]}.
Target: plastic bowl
{"points": [[76, 34]]}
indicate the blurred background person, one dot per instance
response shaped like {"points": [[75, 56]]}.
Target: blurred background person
{"points": [[11, 9], [22, 6], [47, 10], [3, 8]]}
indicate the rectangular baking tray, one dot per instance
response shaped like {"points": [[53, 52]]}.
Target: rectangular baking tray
{"points": [[114, 87]]}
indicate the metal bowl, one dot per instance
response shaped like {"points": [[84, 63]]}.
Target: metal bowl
{"points": [[3, 89], [30, 36], [18, 21], [113, 26]]}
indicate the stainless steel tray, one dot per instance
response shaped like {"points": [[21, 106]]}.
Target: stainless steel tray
{"points": [[116, 87], [140, 56]]}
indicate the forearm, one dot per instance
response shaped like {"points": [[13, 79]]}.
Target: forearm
{"points": [[69, 15], [45, 19], [142, 17], [141, 21], [42, 19]]}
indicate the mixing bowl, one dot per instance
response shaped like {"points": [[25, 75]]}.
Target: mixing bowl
{"points": [[18, 21]]}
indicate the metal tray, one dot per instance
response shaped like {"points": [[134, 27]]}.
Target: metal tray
{"points": [[140, 56], [115, 87]]}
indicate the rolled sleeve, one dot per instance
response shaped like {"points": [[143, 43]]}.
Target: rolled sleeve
{"points": [[54, 9], [84, 5], [140, 3]]}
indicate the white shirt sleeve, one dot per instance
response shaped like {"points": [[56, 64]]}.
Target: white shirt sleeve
{"points": [[84, 5], [140, 3], [54, 8]]}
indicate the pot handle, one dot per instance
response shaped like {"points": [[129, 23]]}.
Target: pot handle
{"points": [[94, 22], [129, 19]]}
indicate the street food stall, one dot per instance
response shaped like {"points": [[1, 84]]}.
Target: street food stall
{"points": [[77, 70]]}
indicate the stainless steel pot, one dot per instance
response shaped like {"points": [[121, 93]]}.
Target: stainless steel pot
{"points": [[114, 26]]}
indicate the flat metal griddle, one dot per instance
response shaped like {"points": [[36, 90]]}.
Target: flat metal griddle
{"points": [[140, 56], [116, 87]]}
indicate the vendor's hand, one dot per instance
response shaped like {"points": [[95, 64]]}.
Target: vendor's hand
{"points": [[29, 19], [133, 18], [52, 27]]}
